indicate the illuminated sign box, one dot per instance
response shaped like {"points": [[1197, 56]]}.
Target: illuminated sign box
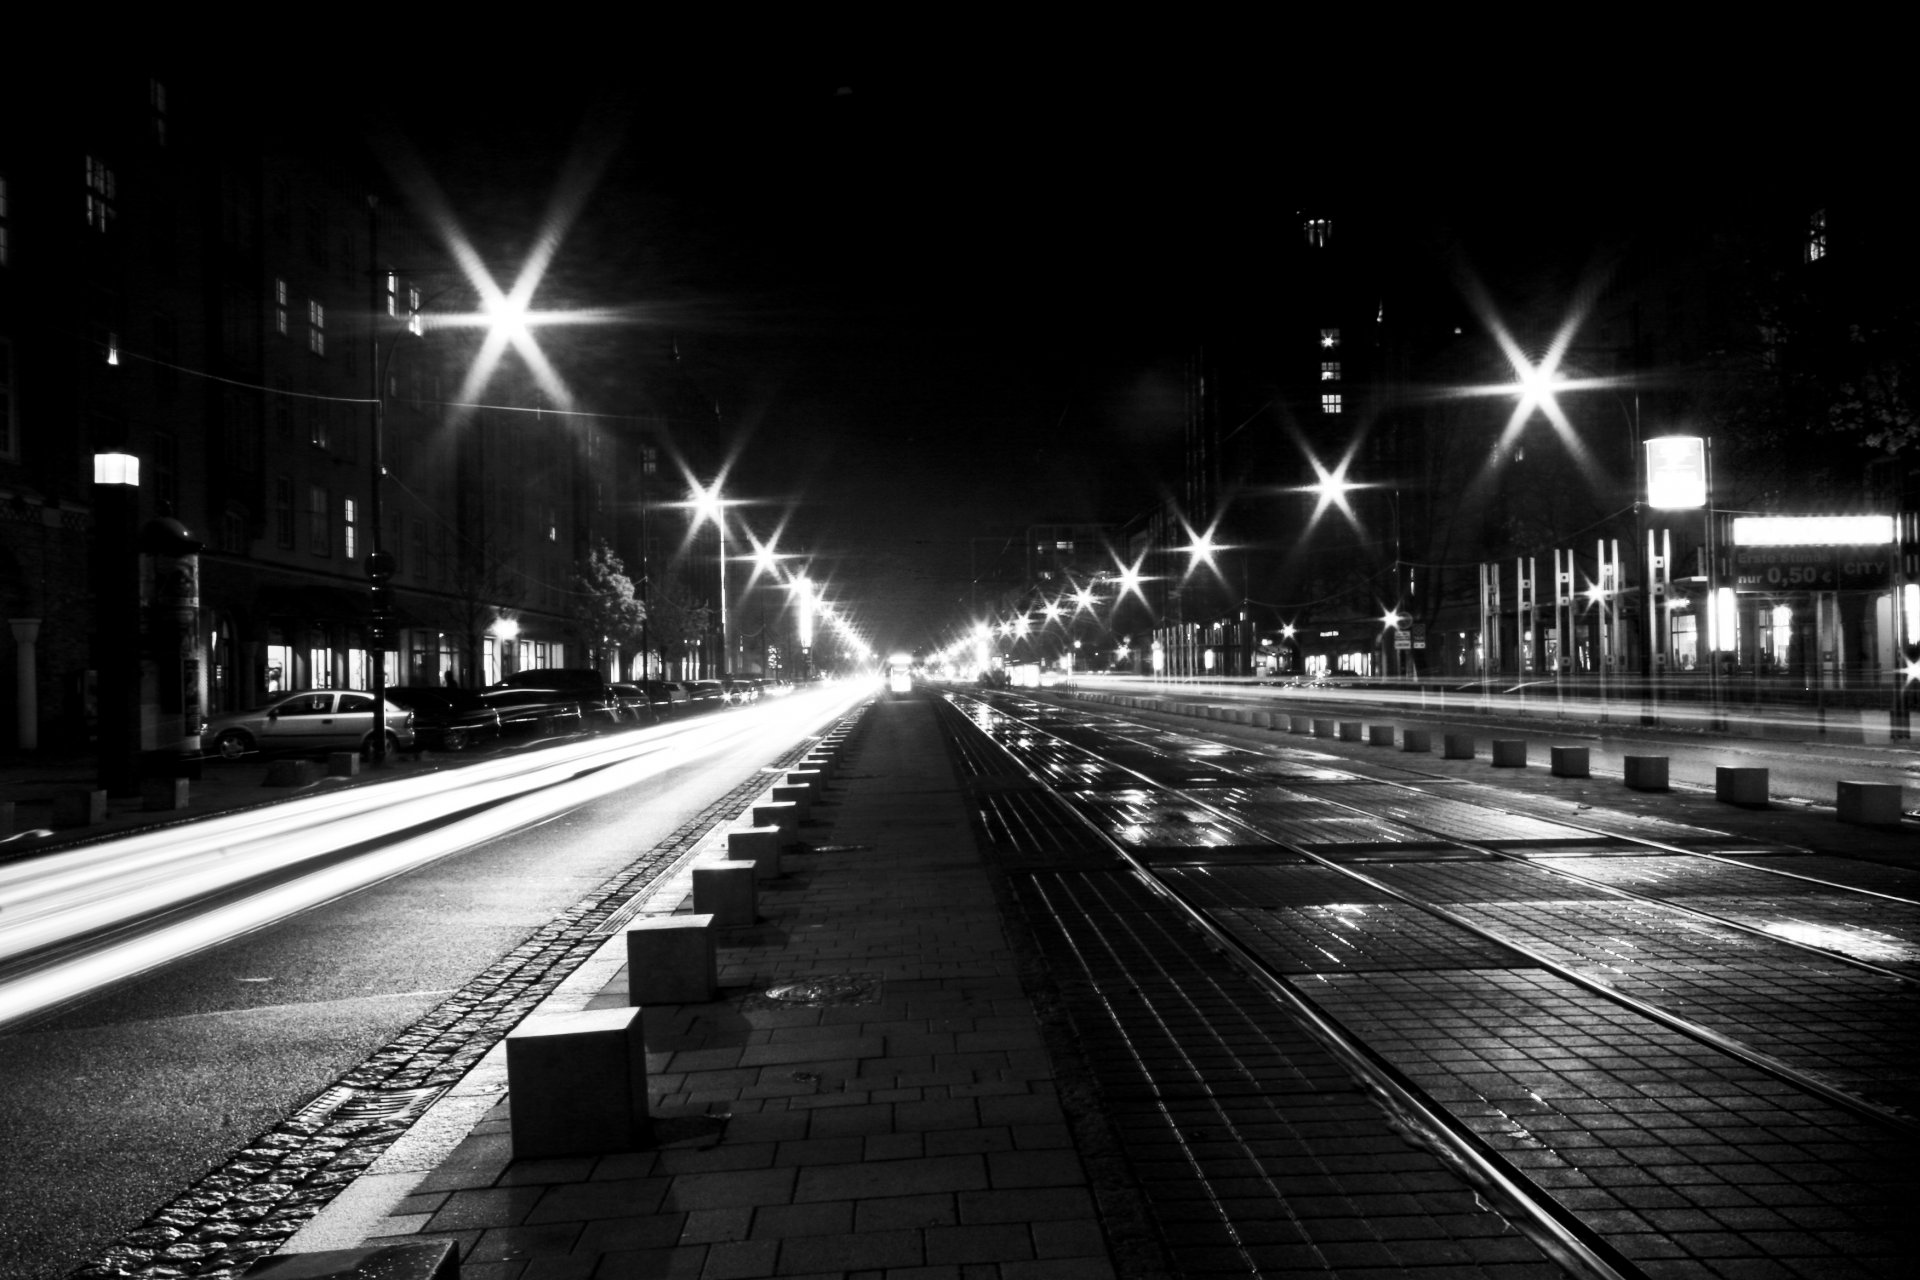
{"points": [[1818, 553], [1812, 531], [1676, 473]]}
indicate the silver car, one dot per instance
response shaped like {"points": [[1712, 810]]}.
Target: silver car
{"points": [[307, 722]]}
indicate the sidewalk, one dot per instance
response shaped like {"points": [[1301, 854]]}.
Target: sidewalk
{"points": [[870, 1092]]}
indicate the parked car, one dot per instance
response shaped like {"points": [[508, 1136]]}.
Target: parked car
{"points": [[668, 696], [448, 719], [635, 706], [310, 721], [531, 713], [705, 695], [593, 692]]}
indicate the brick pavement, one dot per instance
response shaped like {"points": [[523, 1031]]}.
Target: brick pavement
{"points": [[871, 1093]]}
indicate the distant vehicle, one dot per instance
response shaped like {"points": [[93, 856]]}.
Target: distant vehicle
{"points": [[900, 674], [739, 691], [705, 695], [593, 691], [447, 719], [667, 696], [312, 720], [635, 706]]}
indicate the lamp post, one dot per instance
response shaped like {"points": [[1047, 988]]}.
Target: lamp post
{"points": [[709, 505], [116, 649]]}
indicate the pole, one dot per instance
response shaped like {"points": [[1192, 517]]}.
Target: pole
{"points": [[376, 554], [1714, 637], [720, 523]]}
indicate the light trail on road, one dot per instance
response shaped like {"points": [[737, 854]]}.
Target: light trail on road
{"points": [[50, 906]]}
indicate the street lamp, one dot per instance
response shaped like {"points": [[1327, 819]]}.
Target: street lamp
{"points": [[116, 577], [707, 504]]}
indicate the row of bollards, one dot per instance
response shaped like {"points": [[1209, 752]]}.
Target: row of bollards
{"points": [[578, 1081], [1861, 803]]}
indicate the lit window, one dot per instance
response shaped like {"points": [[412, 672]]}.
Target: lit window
{"points": [[316, 327], [317, 424], [1816, 235], [100, 194], [349, 529], [1330, 402], [1329, 371], [1329, 339], [393, 288], [280, 306], [1319, 231], [413, 311]]}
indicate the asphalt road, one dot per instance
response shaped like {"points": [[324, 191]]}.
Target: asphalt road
{"points": [[111, 1108]]}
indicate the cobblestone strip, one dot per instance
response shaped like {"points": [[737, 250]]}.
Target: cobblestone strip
{"points": [[269, 1189]]}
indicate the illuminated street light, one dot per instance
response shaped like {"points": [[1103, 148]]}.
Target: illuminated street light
{"points": [[707, 504]]}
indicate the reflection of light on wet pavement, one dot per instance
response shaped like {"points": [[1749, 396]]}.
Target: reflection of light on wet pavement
{"points": [[1861, 944]]}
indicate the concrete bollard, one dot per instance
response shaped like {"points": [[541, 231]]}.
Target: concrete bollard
{"points": [[759, 845], [343, 764], [1350, 730], [724, 890], [1263, 719], [1456, 746], [784, 814], [1417, 740], [1744, 785], [1379, 735], [1568, 762], [1299, 724], [290, 773], [424, 1260], [1646, 773], [1868, 804], [577, 1083], [671, 960], [812, 779], [79, 808], [159, 795], [1324, 728], [1509, 753], [799, 795]]}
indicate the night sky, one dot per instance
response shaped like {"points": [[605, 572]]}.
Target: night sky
{"points": [[936, 308]]}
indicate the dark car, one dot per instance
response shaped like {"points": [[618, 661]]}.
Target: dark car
{"points": [[635, 706], [667, 696], [705, 695], [534, 713], [590, 690], [448, 719]]}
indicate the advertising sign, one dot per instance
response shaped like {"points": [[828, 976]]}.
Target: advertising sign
{"points": [[1812, 568], [1676, 473]]}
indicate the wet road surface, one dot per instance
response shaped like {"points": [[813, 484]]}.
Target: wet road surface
{"points": [[1683, 1050]]}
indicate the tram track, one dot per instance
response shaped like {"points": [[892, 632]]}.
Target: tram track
{"points": [[1086, 781]]}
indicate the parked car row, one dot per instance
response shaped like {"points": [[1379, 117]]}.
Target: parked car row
{"points": [[539, 702]]}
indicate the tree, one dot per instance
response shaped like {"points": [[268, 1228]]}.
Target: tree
{"points": [[607, 616], [678, 623]]}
